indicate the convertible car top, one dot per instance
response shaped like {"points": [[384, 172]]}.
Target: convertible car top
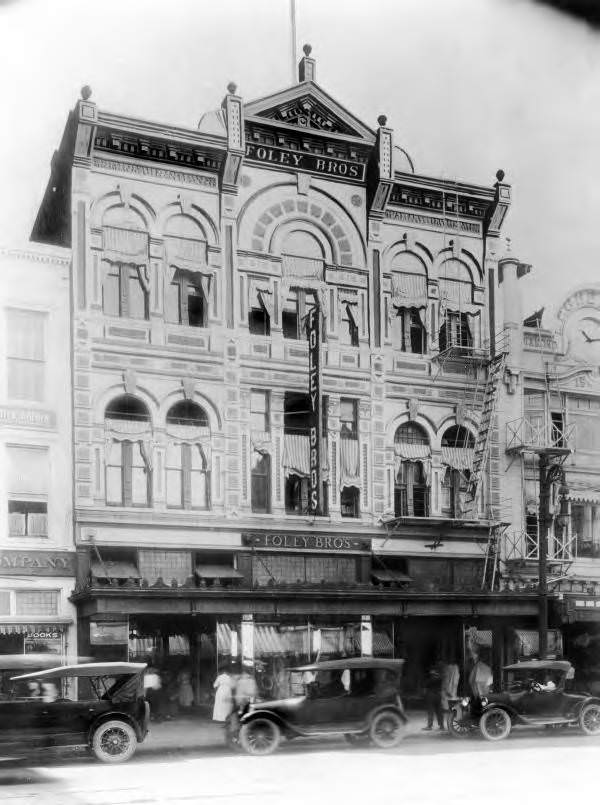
{"points": [[87, 669]]}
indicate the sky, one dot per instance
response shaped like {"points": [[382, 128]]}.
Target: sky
{"points": [[469, 86]]}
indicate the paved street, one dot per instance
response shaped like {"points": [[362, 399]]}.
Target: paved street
{"points": [[424, 771]]}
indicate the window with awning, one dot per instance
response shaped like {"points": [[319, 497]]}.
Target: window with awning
{"points": [[114, 569]]}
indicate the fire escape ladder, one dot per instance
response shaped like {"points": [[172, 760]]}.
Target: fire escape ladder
{"points": [[482, 442], [492, 557]]}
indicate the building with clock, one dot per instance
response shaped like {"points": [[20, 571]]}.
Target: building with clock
{"points": [[198, 255], [559, 378]]}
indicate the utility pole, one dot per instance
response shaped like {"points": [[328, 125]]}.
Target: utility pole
{"points": [[293, 39]]}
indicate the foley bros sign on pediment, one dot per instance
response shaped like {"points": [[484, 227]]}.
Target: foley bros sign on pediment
{"points": [[37, 563], [286, 158], [306, 542]]}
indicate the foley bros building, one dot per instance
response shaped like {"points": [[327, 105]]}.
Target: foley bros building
{"points": [[200, 257]]}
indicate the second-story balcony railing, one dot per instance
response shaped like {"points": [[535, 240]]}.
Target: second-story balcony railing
{"points": [[523, 434]]}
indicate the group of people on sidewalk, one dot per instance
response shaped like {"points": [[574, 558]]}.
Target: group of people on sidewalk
{"points": [[234, 688], [441, 686]]}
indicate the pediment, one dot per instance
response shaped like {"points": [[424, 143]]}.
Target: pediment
{"points": [[306, 106]]}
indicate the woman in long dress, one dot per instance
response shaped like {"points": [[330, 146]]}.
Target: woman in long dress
{"points": [[223, 706]]}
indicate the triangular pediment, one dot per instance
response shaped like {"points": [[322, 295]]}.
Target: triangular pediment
{"points": [[306, 106]]}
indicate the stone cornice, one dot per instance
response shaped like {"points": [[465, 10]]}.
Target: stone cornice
{"points": [[37, 256]]}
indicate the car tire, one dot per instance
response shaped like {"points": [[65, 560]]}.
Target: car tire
{"points": [[387, 729], [495, 724], [114, 741], [458, 727], [589, 719], [261, 736]]}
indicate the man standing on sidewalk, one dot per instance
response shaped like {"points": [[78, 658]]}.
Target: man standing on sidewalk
{"points": [[433, 697]]}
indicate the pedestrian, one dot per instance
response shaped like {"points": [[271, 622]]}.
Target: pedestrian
{"points": [[223, 706], [433, 697], [245, 688], [450, 679], [152, 686], [185, 692], [480, 678]]}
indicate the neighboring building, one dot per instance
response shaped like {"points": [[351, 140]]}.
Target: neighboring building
{"points": [[37, 557], [558, 362], [197, 255]]}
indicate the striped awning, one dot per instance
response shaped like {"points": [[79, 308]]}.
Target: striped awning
{"points": [[115, 570], [459, 458], [412, 452], [34, 628], [584, 496], [349, 463], [296, 458], [409, 290], [267, 641]]}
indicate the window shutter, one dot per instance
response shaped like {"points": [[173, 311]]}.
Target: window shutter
{"points": [[186, 462], [127, 459]]}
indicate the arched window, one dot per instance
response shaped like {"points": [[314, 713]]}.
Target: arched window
{"points": [[458, 436], [128, 460], [303, 261], [457, 456], [187, 466], [411, 489], [409, 303], [456, 298], [185, 300]]}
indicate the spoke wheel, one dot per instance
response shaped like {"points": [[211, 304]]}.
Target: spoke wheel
{"points": [[495, 724], [260, 737], [114, 742], [589, 719], [387, 730], [458, 727]]}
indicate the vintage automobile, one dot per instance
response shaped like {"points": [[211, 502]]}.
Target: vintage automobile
{"points": [[358, 698], [110, 715], [533, 694]]}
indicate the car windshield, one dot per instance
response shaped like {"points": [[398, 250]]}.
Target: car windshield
{"points": [[523, 678]]}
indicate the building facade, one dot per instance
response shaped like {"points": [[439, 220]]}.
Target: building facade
{"points": [[197, 256], [559, 366], [37, 558]]}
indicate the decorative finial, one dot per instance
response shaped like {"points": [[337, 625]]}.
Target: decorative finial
{"points": [[232, 88], [307, 49], [382, 120], [500, 175], [86, 92]]}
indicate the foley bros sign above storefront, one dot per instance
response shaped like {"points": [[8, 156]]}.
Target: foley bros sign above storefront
{"points": [[306, 542], [283, 158], [37, 563]]}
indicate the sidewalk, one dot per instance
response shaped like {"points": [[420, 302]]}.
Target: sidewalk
{"points": [[196, 732]]}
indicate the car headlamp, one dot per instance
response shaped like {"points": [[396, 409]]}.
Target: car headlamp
{"points": [[465, 701], [484, 701]]}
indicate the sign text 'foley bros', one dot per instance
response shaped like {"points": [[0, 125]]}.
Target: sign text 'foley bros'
{"points": [[315, 485]]}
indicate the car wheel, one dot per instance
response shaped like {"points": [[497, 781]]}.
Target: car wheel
{"points": [[458, 727], [589, 719], [260, 736], [495, 724], [114, 741], [357, 738], [387, 729]]}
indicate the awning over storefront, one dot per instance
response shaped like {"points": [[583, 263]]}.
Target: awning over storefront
{"points": [[217, 572], [46, 627], [390, 575], [115, 570], [584, 496]]}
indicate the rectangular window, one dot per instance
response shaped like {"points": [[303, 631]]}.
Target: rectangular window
{"points": [[27, 518], [348, 423], [259, 411], [37, 602], [173, 303], [4, 602], [111, 291], [114, 474], [198, 479], [139, 475], [25, 355], [349, 502], [174, 476], [259, 322], [195, 306], [290, 319], [349, 328], [127, 475], [137, 296], [261, 483], [187, 477]]}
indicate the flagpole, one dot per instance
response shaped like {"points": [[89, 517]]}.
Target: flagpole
{"points": [[293, 38]]}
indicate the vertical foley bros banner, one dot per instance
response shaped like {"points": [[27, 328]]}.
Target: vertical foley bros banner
{"points": [[315, 485]]}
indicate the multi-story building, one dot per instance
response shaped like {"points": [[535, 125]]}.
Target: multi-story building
{"points": [[37, 557], [556, 357], [197, 256]]}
